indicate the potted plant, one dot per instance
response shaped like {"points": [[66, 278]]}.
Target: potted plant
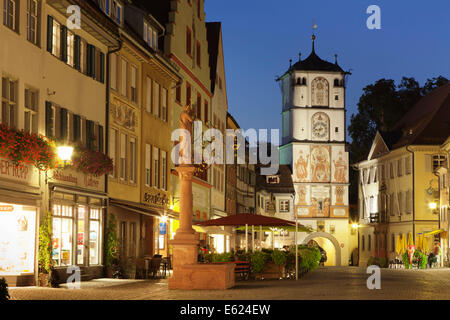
{"points": [[4, 294], [258, 260], [45, 251], [111, 248], [279, 258]]}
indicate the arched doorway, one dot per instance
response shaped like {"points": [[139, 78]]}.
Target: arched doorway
{"points": [[335, 243]]}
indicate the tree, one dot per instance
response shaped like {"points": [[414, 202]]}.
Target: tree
{"points": [[380, 107]]}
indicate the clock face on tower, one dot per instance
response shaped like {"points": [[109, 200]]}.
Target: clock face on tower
{"points": [[320, 126], [320, 129]]}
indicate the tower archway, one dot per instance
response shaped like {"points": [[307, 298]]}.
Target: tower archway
{"points": [[337, 248]]}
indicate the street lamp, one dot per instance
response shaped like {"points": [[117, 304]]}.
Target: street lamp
{"points": [[65, 153], [432, 205]]}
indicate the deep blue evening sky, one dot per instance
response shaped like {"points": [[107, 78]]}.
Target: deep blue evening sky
{"points": [[261, 36]]}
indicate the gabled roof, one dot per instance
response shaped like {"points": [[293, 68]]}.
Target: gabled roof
{"points": [[158, 8], [284, 186], [213, 37], [428, 122]]}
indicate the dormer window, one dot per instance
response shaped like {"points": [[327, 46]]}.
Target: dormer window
{"points": [[150, 36], [272, 179], [113, 9]]}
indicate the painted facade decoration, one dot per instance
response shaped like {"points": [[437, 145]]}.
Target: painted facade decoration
{"points": [[301, 165], [320, 163], [124, 116], [320, 201], [319, 92], [340, 166]]}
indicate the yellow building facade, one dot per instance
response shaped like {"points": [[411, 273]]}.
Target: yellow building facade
{"points": [[53, 83], [398, 183]]}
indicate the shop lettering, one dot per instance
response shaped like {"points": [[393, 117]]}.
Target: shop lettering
{"points": [[90, 182], [9, 169], [67, 178], [156, 199]]}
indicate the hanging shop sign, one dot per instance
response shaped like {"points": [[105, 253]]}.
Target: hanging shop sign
{"points": [[160, 199], [162, 228]]}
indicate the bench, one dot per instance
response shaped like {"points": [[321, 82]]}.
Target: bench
{"points": [[242, 268]]}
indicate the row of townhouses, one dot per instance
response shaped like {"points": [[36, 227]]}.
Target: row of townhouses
{"points": [[110, 79]]}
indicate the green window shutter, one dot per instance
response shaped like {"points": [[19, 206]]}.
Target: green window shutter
{"points": [[102, 67], [48, 119], [77, 53], [88, 61], [90, 139], [49, 34], [63, 115], [100, 139], [64, 43], [76, 127], [93, 66]]}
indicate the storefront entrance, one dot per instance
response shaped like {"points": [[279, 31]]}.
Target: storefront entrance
{"points": [[18, 243], [77, 233]]}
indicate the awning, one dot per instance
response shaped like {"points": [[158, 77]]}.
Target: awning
{"points": [[242, 219], [434, 232], [148, 210], [210, 230]]}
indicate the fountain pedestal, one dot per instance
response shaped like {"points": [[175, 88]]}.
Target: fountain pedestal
{"points": [[187, 272]]}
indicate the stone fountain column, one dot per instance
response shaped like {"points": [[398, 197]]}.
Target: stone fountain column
{"points": [[185, 244], [187, 272]]}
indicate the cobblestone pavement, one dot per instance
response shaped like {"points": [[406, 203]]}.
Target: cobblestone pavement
{"points": [[323, 283]]}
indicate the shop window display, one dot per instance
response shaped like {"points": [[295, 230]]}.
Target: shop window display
{"points": [[94, 237], [17, 239], [62, 235]]}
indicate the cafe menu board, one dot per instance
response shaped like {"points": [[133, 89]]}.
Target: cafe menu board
{"points": [[17, 239]]}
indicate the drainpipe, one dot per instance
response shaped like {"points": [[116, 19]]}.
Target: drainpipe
{"points": [[413, 192], [108, 85]]}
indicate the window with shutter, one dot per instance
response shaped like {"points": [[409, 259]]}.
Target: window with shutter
{"points": [[156, 95], [64, 115], [148, 159], [49, 116], [156, 167], [134, 83], [50, 34], [64, 43], [164, 104], [113, 151], [123, 156], [148, 95], [123, 89]]}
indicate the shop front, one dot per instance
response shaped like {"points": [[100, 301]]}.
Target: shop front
{"points": [[20, 201], [77, 204]]}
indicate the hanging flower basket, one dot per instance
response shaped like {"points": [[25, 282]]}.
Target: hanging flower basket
{"points": [[91, 162], [24, 148]]}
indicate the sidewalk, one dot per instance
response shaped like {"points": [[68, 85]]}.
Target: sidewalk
{"points": [[341, 283]]}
